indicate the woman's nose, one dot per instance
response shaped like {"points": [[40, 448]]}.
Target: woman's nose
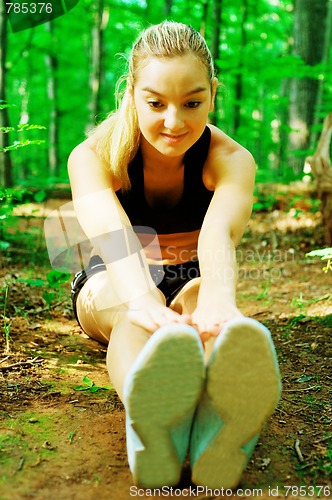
{"points": [[173, 119]]}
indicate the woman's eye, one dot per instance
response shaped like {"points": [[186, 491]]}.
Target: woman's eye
{"points": [[193, 104], [155, 104]]}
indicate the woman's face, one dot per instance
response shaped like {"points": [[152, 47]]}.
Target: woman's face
{"points": [[172, 98]]}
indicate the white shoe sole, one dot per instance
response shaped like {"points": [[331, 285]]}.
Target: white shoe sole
{"points": [[160, 397], [242, 390]]}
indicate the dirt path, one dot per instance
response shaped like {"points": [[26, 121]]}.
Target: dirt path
{"points": [[58, 442]]}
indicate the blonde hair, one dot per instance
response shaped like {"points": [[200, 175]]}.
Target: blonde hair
{"points": [[118, 136]]}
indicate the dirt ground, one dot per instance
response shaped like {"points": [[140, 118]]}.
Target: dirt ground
{"points": [[62, 426]]}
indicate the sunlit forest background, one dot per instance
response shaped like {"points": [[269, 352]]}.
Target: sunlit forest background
{"points": [[273, 59], [57, 80]]}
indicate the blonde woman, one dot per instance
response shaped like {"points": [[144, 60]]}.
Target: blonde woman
{"points": [[165, 198]]}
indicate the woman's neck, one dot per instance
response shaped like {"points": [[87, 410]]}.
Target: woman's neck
{"points": [[153, 160]]}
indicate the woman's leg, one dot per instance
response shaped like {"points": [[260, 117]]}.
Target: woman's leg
{"points": [[159, 381], [111, 325], [242, 389]]}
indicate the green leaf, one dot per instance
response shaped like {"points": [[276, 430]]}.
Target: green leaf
{"points": [[323, 253], [71, 435], [48, 297], [40, 196], [26, 126], [32, 281], [21, 144], [7, 129], [88, 382], [56, 278], [91, 386], [304, 378], [4, 105], [4, 245]]}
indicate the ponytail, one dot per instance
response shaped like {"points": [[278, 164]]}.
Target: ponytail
{"points": [[118, 137]]}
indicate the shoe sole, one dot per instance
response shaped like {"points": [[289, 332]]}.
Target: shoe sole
{"points": [[242, 391], [161, 394]]}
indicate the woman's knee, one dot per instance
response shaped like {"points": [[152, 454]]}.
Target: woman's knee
{"points": [[96, 309]]}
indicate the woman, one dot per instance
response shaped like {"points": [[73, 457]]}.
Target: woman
{"points": [[154, 167]]}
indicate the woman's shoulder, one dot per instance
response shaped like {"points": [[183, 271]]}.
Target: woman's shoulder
{"points": [[86, 147], [80, 152], [223, 143], [225, 156], [85, 162]]}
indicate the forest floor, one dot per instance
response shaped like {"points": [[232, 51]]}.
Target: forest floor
{"points": [[62, 426]]}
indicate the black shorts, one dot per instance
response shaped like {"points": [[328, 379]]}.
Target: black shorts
{"points": [[175, 277]]}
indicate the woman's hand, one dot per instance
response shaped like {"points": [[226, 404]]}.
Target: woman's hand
{"points": [[210, 321], [149, 313]]}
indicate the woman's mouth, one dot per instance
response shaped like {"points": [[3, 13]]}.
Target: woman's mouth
{"points": [[174, 138]]}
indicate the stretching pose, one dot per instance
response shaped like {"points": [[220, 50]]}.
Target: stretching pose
{"points": [[164, 198]]}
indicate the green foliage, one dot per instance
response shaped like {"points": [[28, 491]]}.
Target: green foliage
{"points": [[11, 237], [8, 199], [265, 202], [262, 59], [20, 144], [23, 127], [55, 279], [90, 386], [11, 197], [324, 254], [52, 285]]}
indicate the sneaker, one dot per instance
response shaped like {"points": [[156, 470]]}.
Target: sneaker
{"points": [[160, 396], [243, 387]]}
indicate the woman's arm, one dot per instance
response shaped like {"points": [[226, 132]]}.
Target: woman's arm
{"points": [[108, 227], [231, 171]]}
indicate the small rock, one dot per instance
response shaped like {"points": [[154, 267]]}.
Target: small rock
{"points": [[48, 446], [262, 463]]}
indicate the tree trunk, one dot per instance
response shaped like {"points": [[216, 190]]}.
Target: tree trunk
{"points": [[6, 178], [101, 17], [168, 8], [239, 78], [53, 128], [319, 106], [21, 167], [215, 45], [204, 17], [309, 30], [321, 168]]}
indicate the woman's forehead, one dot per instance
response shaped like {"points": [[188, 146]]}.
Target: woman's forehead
{"points": [[187, 68]]}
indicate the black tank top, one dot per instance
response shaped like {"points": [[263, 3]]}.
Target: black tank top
{"points": [[177, 227]]}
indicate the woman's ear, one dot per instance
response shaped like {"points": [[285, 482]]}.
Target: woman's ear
{"points": [[214, 87]]}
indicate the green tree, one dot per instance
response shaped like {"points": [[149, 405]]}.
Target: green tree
{"points": [[6, 178], [309, 32]]}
